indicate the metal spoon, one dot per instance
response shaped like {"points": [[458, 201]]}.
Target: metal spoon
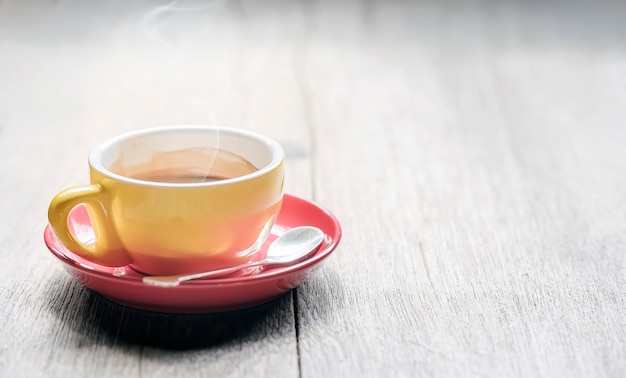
{"points": [[293, 246]]}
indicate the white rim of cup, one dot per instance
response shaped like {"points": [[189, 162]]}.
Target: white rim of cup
{"points": [[278, 155]]}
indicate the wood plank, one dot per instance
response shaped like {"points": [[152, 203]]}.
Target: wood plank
{"points": [[474, 155], [74, 74]]}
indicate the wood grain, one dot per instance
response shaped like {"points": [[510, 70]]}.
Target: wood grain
{"points": [[473, 151], [480, 192], [74, 74]]}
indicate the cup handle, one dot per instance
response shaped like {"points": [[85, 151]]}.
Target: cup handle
{"points": [[107, 250]]}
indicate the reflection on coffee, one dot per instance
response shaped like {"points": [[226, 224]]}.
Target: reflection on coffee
{"points": [[190, 165], [174, 176]]}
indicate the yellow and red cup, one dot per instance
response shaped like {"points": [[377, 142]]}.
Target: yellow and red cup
{"points": [[163, 228]]}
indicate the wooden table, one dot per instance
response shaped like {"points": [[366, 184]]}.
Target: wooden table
{"points": [[475, 153]]}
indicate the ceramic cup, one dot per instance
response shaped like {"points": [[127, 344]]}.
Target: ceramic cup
{"points": [[176, 199]]}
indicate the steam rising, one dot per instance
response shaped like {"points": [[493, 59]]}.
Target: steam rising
{"points": [[151, 22], [155, 25]]}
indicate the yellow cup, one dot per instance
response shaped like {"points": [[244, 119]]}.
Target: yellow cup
{"points": [[151, 207]]}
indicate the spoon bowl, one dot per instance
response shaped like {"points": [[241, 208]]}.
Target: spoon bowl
{"points": [[291, 247]]}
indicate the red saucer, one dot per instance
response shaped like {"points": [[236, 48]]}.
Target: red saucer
{"points": [[245, 289]]}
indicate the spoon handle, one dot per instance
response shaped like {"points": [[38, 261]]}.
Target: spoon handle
{"points": [[172, 281]]}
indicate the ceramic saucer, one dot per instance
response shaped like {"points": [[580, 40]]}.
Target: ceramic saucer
{"points": [[245, 289]]}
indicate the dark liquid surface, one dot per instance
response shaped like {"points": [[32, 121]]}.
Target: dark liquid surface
{"points": [[185, 166], [174, 177]]}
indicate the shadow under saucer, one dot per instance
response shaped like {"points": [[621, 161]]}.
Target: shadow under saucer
{"points": [[94, 316]]}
